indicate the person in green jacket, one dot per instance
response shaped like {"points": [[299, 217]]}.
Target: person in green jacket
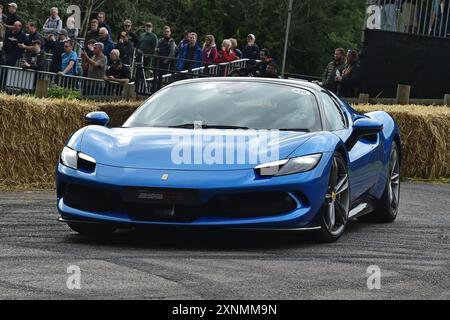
{"points": [[147, 45]]}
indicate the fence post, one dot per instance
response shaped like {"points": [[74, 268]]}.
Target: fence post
{"points": [[364, 98], [41, 88], [447, 100], [129, 91], [403, 94]]}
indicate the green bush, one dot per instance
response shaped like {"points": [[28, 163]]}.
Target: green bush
{"points": [[57, 92]]}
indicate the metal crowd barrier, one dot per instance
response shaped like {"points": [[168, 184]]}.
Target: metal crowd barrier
{"points": [[420, 17], [15, 80], [146, 87]]}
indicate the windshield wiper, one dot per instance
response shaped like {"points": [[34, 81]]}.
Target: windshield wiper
{"points": [[206, 127], [296, 130]]}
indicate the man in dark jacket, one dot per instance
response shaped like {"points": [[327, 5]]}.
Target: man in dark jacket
{"points": [[126, 48], [33, 35], [165, 50], [101, 17], [14, 38], [34, 58], [92, 34], [132, 36], [350, 80], [251, 50], [333, 70], [56, 48]]}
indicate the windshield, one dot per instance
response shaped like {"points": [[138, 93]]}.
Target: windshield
{"points": [[230, 105]]}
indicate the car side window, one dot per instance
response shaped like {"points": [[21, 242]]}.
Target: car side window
{"points": [[333, 115]]}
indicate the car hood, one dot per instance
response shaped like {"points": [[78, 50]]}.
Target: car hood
{"points": [[182, 149]]}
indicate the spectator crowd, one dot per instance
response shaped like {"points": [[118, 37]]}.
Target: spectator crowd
{"points": [[100, 57]]}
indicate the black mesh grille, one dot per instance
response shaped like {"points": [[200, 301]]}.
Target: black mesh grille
{"points": [[244, 205], [92, 199], [258, 204]]}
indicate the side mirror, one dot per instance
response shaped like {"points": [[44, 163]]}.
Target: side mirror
{"points": [[363, 127], [97, 119]]}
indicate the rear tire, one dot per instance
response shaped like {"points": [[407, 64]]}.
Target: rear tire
{"points": [[388, 205], [336, 208], [92, 230]]}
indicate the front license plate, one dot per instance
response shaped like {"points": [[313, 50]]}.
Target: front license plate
{"points": [[175, 197]]}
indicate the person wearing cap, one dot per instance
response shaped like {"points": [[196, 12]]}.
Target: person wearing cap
{"points": [[118, 72], [147, 45], [125, 47], [34, 58], [96, 65], [14, 38], [132, 36], [56, 48], [251, 49], [54, 24], [12, 16]]}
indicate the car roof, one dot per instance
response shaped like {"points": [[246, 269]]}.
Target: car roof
{"points": [[297, 82]]}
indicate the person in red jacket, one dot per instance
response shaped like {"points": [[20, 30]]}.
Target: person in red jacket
{"points": [[226, 54]]}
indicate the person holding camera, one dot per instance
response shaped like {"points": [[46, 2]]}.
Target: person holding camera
{"points": [[34, 58]]}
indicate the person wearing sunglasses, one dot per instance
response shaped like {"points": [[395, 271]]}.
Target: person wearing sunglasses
{"points": [[131, 35], [68, 60]]}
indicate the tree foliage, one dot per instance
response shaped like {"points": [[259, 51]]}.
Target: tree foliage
{"points": [[317, 26]]}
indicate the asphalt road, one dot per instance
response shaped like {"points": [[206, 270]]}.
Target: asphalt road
{"points": [[413, 255]]}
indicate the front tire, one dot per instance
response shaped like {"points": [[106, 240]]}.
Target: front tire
{"points": [[388, 205], [92, 230], [336, 209]]}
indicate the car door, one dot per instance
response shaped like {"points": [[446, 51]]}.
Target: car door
{"points": [[363, 166]]}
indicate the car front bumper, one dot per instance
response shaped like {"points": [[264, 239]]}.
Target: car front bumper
{"points": [[306, 193]]}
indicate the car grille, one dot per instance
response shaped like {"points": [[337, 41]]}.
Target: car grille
{"points": [[232, 206]]}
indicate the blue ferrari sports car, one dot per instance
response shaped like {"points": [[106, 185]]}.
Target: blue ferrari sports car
{"points": [[233, 153]]}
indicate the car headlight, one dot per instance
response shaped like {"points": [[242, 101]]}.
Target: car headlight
{"points": [[77, 160], [290, 166], [69, 158]]}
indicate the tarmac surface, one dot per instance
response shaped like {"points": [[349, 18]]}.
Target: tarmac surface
{"points": [[412, 255]]}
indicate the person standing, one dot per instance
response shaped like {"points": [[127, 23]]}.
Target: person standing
{"points": [[349, 82], [54, 24], [33, 35], [251, 50], [209, 50], [234, 46], [333, 70], [12, 16], [96, 69], [126, 48], [165, 50], [132, 36], [92, 34], [101, 17], [105, 38], [56, 48], [12, 47], [191, 55], [96, 65], [68, 60], [147, 46], [34, 58]]}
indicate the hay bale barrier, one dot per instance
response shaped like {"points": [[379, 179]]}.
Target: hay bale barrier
{"points": [[33, 133]]}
